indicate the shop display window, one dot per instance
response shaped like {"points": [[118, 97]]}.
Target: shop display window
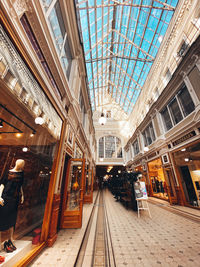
{"points": [[30, 130], [21, 138], [187, 160], [157, 179], [74, 186], [72, 205], [88, 182]]}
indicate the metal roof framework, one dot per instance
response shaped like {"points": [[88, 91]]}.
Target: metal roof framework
{"points": [[121, 39]]}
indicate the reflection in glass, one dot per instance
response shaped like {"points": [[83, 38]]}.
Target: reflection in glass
{"points": [[88, 182], [74, 186]]}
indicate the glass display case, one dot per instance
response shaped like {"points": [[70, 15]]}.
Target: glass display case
{"points": [[88, 190], [73, 194]]}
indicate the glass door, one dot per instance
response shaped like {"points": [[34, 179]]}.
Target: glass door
{"points": [[72, 205], [88, 196]]}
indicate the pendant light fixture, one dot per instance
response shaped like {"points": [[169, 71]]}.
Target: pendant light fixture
{"points": [[102, 119]]}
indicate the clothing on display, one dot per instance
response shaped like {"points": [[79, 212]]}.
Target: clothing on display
{"points": [[11, 196]]}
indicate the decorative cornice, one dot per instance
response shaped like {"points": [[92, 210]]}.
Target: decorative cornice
{"points": [[19, 8]]}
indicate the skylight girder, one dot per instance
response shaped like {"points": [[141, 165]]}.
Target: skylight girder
{"points": [[136, 46], [141, 41], [116, 56], [128, 24], [155, 32], [120, 24], [165, 6], [112, 39], [97, 50], [126, 73], [96, 75], [96, 44], [120, 46], [138, 15], [88, 20]]}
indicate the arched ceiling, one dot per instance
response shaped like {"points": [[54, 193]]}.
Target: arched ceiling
{"points": [[121, 39]]}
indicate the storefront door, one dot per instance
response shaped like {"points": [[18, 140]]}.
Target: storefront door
{"points": [[157, 178], [187, 181], [72, 205]]}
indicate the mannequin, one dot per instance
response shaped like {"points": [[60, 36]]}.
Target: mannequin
{"points": [[10, 191]]}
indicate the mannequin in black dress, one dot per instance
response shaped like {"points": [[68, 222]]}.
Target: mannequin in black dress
{"points": [[10, 191]]}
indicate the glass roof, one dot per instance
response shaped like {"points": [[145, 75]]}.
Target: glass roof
{"points": [[121, 39]]}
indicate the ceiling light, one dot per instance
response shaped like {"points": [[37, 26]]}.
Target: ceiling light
{"points": [[32, 134], [1, 124], [183, 149], [146, 149], [39, 120], [186, 159], [25, 149], [18, 135], [102, 119]]}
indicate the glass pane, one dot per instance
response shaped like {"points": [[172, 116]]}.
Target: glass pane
{"points": [[68, 56], [152, 132], [74, 185], [175, 111], [136, 147], [118, 148], [21, 138], [144, 138], [101, 147], [56, 29], [110, 146], [148, 136], [88, 182], [166, 119], [186, 101], [46, 4]]}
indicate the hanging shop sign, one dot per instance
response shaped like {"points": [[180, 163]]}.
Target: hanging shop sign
{"points": [[140, 190], [184, 138]]}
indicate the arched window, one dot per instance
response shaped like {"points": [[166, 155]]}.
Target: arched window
{"points": [[110, 147]]}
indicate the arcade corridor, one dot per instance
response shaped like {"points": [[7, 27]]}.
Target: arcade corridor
{"points": [[168, 239], [100, 102]]}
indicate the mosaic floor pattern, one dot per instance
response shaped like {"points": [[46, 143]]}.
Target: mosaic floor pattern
{"points": [[165, 240]]}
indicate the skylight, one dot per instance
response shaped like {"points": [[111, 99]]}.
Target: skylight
{"points": [[120, 40]]}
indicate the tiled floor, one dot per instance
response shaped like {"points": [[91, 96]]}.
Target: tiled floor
{"points": [[165, 240]]}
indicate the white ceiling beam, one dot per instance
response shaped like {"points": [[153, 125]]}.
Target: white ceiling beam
{"points": [[165, 6], [142, 50], [100, 41]]}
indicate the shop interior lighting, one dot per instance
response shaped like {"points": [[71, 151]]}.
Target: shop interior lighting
{"points": [[25, 149], [183, 149], [18, 135], [18, 118], [32, 134], [187, 159], [1, 124], [39, 120]]}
